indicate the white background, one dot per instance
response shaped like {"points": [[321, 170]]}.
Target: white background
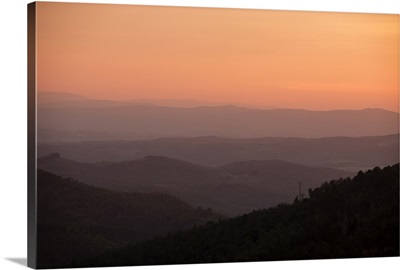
{"points": [[13, 146]]}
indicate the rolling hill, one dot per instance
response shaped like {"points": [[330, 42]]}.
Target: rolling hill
{"points": [[346, 153], [75, 219], [231, 189], [346, 218]]}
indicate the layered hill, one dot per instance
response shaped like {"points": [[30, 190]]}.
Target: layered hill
{"points": [[347, 153], [231, 189], [346, 218], [75, 219], [133, 121]]}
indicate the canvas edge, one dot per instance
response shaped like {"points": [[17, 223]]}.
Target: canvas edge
{"points": [[31, 155], [31, 123]]}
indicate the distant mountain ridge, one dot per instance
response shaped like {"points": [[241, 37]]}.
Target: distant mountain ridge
{"points": [[348, 153], [66, 99], [231, 189], [45, 97], [70, 100], [114, 122]]}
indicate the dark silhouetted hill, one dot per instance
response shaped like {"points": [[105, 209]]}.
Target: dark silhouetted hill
{"points": [[75, 219], [346, 218]]}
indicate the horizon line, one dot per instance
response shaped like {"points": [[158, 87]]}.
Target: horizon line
{"points": [[207, 104]]}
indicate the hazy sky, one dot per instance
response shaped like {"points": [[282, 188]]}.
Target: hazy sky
{"points": [[318, 61]]}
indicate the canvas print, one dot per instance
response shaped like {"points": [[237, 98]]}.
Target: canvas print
{"points": [[175, 135]]}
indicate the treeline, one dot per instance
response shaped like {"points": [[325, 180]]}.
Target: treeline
{"points": [[346, 218], [76, 220]]}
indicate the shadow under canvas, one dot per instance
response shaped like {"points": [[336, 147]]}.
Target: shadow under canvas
{"points": [[20, 261]]}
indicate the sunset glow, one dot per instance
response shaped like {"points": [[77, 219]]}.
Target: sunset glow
{"points": [[308, 60]]}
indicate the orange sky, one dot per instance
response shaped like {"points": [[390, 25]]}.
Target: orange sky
{"points": [[318, 61]]}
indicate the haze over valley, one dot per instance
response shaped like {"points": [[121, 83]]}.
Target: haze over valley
{"points": [[347, 153], [197, 135], [109, 120], [232, 189], [227, 158]]}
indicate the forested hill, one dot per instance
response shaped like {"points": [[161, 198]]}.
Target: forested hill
{"points": [[345, 218], [234, 189], [75, 219]]}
